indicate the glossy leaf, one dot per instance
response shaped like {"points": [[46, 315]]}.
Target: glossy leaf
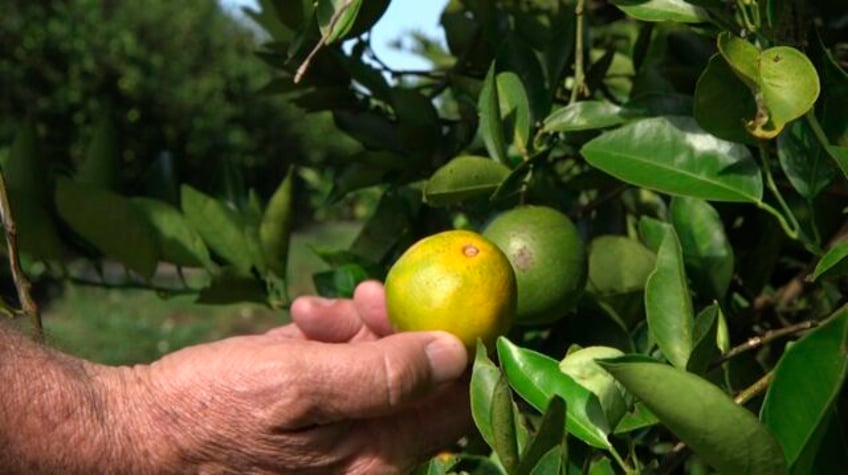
{"points": [[668, 304], [275, 227], [789, 86], [550, 434], [807, 380], [804, 160], [462, 178], [581, 366], [741, 56], [514, 109], [702, 416], [484, 379], [177, 241], [833, 262], [220, 226], [723, 105], [491, 128], [537, 378], [707, 252], [662, 10], [110, 223], [336, 17], [584, 115], [673, 155]]}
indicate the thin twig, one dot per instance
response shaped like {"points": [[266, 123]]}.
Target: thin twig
{"points": [[22, 284], [579, 87], [301, 70], [755, 389], [765, 338]]}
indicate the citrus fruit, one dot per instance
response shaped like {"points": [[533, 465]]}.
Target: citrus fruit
{"points": [[548, 258], [456, 281], [583, 369]]}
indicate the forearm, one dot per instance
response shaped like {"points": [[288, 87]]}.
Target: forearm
{"points": [[59, 414]]}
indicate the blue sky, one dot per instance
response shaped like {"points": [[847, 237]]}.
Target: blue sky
{"points": [[401, 17]]}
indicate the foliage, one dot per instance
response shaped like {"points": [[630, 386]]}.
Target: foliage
{"points": [[699, 146]]}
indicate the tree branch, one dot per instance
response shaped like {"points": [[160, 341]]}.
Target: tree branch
{"points": [[304, 66], [765, 338], [22, 284]]}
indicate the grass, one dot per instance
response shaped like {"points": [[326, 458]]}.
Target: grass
{"points": [[137, 326]]}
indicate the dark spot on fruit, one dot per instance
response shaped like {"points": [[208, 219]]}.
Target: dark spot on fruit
{"points": [[469, 250], [777, 58], [523, 258]]}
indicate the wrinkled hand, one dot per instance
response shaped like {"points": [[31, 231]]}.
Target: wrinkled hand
{"points": [[334, 392]]}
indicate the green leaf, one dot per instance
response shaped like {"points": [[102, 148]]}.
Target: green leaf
{"points": [[341, 281], [662, 10], [462, 178], [551, 433], [741, 56], [418, 122], [789, 86], [807, 380], [110, 223], [537, 378], [702, 416], [390, 221], [833, 261], [840, 156], [26, 169], [102, 158], [503, 426], [618, 265], [723, 105], [652, 232], [706, 250], [177, 241], [584, 115], [673, 155], [484, 378], [804, 160], [275, 228], [652, 104], [581, 366], [705, 347], [336, 17], [491, 127], [668, 304], [638, 418], [514, 110], [220, 226]]}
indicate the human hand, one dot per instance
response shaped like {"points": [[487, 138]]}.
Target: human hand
{"points": [[335, 392]]}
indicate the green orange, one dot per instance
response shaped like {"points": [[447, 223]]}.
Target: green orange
{"points": [[456, 281], [548, 258]]}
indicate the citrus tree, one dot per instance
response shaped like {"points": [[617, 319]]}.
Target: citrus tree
{"points": [[698, 150], [666, 179]]}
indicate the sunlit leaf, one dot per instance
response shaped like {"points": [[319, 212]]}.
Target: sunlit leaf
{"points": [[462, 178]]}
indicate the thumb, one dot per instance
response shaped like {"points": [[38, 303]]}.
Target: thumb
{"points": [[379, 377]]}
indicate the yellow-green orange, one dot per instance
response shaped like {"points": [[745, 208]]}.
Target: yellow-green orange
{"points": [[456, 281], [548, 257]]}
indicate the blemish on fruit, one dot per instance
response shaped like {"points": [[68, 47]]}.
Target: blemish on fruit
{"points": [[469, 250], [523, 258]]}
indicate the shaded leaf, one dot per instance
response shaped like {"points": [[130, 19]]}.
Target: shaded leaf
{"points": [[110, 223], [514, 109], [702, 416], [537, 378], [807, 381], [723, 105], [638, 418], [584, 115], [484, 378], [673, 155], [491, 127], [706, 250], [705, 340], [336, 17], [804, 160], [220, 226], [668, 304], [551, 433], [503, 426], [341, 281], [833, 261], [275, 227], [102, 157], [462, 178], [741, 56], [232, 287], [177, 241]]}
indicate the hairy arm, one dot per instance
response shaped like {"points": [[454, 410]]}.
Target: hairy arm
{"points": [[60, 414]]}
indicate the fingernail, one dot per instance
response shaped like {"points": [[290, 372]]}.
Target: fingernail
{"points": [[448, 358]]}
